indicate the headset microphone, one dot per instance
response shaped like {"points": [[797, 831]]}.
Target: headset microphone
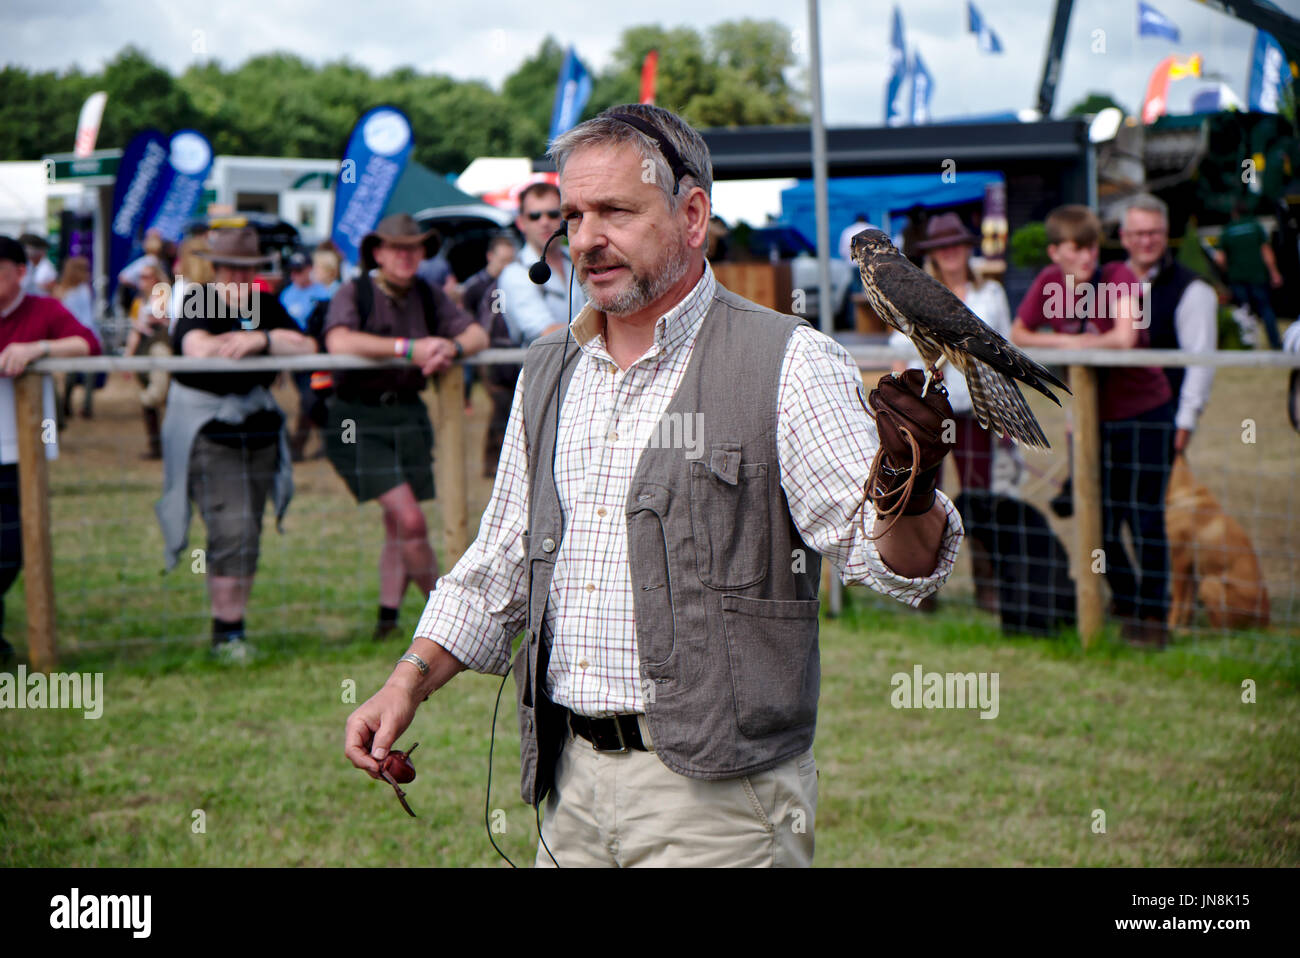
{"points": [[540, 272]]}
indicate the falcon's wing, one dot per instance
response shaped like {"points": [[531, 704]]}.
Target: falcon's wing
{"points": [[946, 319]]}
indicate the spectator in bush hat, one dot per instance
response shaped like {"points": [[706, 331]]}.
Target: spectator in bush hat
{"points": [[224, 444], [385, 451]]}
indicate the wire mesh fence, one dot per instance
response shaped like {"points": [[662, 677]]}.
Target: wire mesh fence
{"points": [[1222, 559], [1230, 516]]}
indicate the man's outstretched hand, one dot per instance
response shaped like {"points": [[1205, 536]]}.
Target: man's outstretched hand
{"points": [[900, 411], [376, 725]]}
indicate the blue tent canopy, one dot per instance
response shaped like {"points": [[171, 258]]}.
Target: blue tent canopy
{"points": [[878, 197]]}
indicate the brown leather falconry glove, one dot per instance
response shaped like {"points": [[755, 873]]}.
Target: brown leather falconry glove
{"points": [[906, 469]]}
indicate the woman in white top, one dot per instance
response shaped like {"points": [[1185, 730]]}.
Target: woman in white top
{"points": [[947, 248], [73, 290]]}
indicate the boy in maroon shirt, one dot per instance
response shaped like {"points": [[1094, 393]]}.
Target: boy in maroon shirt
{"points": [[31, 327], [1086, 307]]}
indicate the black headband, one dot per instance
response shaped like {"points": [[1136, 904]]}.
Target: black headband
{"points": [[679, 168]]}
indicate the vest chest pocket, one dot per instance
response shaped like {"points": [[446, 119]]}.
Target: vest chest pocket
{"points": [[729, 518]]}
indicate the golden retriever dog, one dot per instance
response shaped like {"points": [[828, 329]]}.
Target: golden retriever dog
{"points": [[1210, 558]]}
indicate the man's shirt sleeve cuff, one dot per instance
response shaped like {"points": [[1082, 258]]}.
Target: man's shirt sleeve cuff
{"points": [[451, 620], [911, 591]]}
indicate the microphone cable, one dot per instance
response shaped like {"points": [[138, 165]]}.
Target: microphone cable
{"points": [[539, 276]]}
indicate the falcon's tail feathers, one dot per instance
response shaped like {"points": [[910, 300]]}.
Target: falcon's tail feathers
{"points": [[999, 406], [1031, 372]]}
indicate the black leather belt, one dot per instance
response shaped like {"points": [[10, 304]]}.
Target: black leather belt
{"points": [[618, 733]]}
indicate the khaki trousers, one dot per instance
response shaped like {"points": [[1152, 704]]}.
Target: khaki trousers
{"points": [[619, 810]]}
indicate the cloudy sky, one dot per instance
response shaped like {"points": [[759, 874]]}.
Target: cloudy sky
{"points": [[487, 39]]}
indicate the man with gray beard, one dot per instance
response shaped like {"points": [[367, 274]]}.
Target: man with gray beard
{"points": [[669, 671]]}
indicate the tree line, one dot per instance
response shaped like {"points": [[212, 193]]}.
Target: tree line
{"points": [[736, 73]]}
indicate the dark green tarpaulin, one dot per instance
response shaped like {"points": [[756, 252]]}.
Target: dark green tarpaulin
{"points": [[420, 188]]}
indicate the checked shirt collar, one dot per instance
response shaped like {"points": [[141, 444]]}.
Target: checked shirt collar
{"points": [[673, 329]]}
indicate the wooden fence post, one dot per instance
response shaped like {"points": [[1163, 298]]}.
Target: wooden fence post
{"points": [[453, 460], [1086, 442], [34, 492]]}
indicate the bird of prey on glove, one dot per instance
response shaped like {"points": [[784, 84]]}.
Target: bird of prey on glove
{"points": [[943, 329]]}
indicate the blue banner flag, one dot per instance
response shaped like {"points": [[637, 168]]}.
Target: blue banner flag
{"points": [[922, 87], [377, 153], [988, 40], [139, 174], [1153, 23], [898, 85], [571, 94], [1268, 72], [189, 159]]}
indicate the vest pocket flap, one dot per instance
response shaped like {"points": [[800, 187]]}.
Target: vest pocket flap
{"points": [[772, 608], [724, 462]]}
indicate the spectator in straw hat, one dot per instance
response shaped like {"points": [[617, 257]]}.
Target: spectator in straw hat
{"points": [[31, 328], [224, 443], [379, 437]]}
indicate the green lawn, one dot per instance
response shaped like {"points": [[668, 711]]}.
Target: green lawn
{"points": [[1162, 744], [1185, 773]]}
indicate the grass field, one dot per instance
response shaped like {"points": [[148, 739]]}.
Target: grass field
{"points": [[1184, 771]]}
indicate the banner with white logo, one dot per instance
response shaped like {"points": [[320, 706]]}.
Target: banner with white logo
{"points": [[377, 153]]}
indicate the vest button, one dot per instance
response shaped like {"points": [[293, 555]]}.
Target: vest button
{"points": [[548, 544]]}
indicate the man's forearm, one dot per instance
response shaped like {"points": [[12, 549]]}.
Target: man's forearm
{"points": [[69, 346], [443, 666], [911, 546], [288, 342], [474, 339], [354, 343], [1022, 335]]}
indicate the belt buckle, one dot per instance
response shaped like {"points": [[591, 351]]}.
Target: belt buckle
{"points": [[596, 746], [623, 745]]}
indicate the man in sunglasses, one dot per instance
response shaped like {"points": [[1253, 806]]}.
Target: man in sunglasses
{"points": [[531, 310]]}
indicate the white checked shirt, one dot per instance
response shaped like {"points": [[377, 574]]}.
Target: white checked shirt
{"points": [[825, 442]]}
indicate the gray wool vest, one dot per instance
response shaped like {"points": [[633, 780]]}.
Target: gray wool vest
{"points": [[726, 629]]}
